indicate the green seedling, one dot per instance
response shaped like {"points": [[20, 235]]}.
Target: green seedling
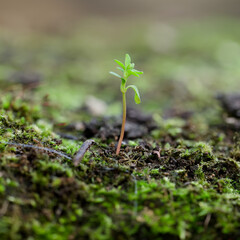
{"points": [[127, 70]]}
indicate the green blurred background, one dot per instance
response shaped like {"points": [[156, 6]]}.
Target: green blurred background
{"points": [[189, 50]]}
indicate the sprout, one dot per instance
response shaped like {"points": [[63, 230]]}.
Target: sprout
{"points": [[127, 70]]}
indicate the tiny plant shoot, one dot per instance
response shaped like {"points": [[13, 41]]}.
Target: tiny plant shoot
{"points": [[127, 70]]}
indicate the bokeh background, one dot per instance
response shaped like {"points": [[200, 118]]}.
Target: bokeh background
{"points": [[189, 50]]}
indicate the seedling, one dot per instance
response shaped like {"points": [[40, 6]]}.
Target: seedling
{"points": [[127, 70]]}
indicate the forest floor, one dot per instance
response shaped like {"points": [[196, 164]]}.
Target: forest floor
{"points": [[177, 174]]}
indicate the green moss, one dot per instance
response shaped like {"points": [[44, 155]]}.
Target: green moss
{"points": [[102, 200]]}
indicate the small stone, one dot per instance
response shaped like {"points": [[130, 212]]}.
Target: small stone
{"points": [[95, 106]]}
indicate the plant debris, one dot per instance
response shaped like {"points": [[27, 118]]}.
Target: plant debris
{"points": [[80, 153]]}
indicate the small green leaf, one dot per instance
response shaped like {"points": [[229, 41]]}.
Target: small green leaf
{"points": [[115, 74], [136, 71], [119, 68], [127, 60], [137, 95], [119, 63]]}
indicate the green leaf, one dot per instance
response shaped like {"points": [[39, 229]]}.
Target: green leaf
{"points": [[119, 63], [115, 74], [136, 71], [137, 95], [119, 68], [127, 60]]}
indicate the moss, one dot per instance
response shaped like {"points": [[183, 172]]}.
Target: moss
{"points": [[178, 195]]}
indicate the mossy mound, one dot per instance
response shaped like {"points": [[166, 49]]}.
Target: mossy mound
{"points": [[158, 189]]}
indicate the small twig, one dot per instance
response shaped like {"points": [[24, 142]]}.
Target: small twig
{"points": [[81, 152], [207, 220], [77, 158], [4, 208], [39, 148]]}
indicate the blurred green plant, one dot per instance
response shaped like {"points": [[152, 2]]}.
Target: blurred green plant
{"points": [[127, 70]]}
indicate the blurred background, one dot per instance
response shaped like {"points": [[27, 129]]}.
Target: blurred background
{"points": [[189, 51], [61, 14]]}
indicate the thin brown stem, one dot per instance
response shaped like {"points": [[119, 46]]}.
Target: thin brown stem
{"points": [[123, 123], [38, 148]]}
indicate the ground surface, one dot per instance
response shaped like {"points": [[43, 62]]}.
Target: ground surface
{"points": [[177, 176]]}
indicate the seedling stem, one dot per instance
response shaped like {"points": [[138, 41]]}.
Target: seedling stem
{"points": [[123, 123]]}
